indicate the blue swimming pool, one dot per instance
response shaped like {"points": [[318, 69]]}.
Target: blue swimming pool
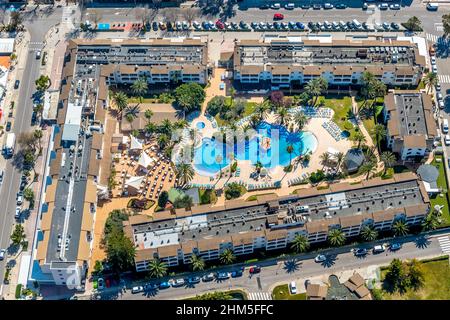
{"points": [[200, 125], [267, 146]]}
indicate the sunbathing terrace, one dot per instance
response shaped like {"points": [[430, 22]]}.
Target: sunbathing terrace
{"points": [[158, 60], [271, 222], [341, 62]]}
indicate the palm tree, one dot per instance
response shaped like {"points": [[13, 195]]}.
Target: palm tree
{"points": [[184, 173], [283, 116], [336, 237], [446, 25], [219, 160], [300, 243], [131, 112], [339, 158], [232, 95], [258, 166], [368, 168], [157, 268], [300, 120], [400, 228], [315, 87], [163, 141], [430, 81], [431, 222], [389, 159], [121, 101], [378, 134], [139, 87], [325, 159], [367, 79], [197, 263], [290, 149], [413, 24], [227, 256], [262, 109], [368, 233], [148, 114], [359, 137]]}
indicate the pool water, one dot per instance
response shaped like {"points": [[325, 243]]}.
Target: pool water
{"points": [[213, 155], [200, 125]]}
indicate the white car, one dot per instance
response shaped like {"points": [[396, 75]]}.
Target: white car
{"points": [[328, 6], [289, 6], [275, 6], [19, 200], [320, 258], [101, 284], [433, 60], [441, 104], [2, 254], [17, 214], [447, 140], [439, 96], [137, 289], [434, 68], [293, 287], [178, 282], [378, 248]]}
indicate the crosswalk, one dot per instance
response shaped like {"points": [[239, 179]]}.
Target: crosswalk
{"points": [[432, 37], [444, 78], [444, 242], [260, 296]]}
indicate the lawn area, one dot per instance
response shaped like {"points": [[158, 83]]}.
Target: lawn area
{"points": [[436, 283], [342, 107], [442, 183], [368, 121], [282, 293], [249, 109]]}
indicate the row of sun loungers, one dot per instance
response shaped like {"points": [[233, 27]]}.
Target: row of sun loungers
{"points": [[298, 180], [312, 112], [333, 129]]}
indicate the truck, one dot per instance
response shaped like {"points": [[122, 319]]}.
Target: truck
{"points": [[8, 148]]}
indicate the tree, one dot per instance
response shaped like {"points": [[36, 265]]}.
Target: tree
{"points": [[378, 133], [336, 237], [157, 268], [114, 222], [28, 194], [148, 114], [315, 87], [189, 14], [290, 149], [189, 96], [446, 24], [197, 263], [431, 222], [283, 116], [233, 191], [359, 138], [15, 21], [400, 228], [258, 166], [262, 110], [368, 233], [184, 173], [339, 158], [37, 134], [430, 80], [185, 202], [139, 87], [42, 83], [277, 97], [131, 112], [368, 168], [396, 275], [325, 159], [120, 251], [389, 159], [232, 95], [300, 243], [163, 198], [413, 24], [215, 105], [18, 236], [121, 101], [227, 256], [415, 274], [300, 120]]}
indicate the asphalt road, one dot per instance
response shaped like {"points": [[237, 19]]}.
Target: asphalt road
{"points": [[300, 267], [37, 24]]}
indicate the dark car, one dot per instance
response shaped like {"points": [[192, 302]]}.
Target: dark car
{"points": [[164, 285], [208, 277], [150, 286], [305, 6], [341, 6], [16, 84], [194, 280], [264, 7], [395, 246], [8, 126], [222, 275], [360, 252], [169, 26], [255, 269], [155, 26], [395, 26], [236, 274], [317, 6], [300, 25], [277, 25], [23, 185], [33, 118]]}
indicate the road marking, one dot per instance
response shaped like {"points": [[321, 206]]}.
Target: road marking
{"points": [[432, 37], [260, 296], [444, 242], [444, 78]]}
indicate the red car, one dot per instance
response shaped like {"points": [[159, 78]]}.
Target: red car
{"points": [[108, 283], [278, 16], [255, 269], [220, 25]]}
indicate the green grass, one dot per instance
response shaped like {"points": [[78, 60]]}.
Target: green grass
{"points": [[438, 199], [249, 109], [282, 293], [436, 283]]}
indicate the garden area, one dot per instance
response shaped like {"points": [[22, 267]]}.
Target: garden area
{"points": [[227, 110], [434, 280], [442, 184], [282, 293]]}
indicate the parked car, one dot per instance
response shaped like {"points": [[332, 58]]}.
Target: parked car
{"points": [[278, 16], [208, 277], [264, 7], [1, 176], [164, 285], [317, 6], [194, 280], [305, 6], [378, 248], [155, 26], [223, 275], [447, 140], [341, 6], [328, 6], [441, 104], [17, 214], [16, 84], [395, 26], [178, 282], [220, 25], [101, 283], [360, 252], [275, 6], [38, 54], [396, 245], [236, 273], [19, 198], [293, 287], [383, 6], [395, 6], [137, 289], [150, 286], [8, 126], [2, 254], [320, 258], [289, 6], [254, 269]]}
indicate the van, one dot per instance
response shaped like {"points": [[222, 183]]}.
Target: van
{"points": [[432, 6], [445, 126], [356, 24], [302, 209]]}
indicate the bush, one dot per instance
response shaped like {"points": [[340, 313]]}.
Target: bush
{"points": [[18, 291], [317, 176], [233, 191], [163, 198], [348, 125]]}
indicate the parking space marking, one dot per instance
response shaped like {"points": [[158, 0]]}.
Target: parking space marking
{"points": [[444, 242], [444, 78], [260, 296]]}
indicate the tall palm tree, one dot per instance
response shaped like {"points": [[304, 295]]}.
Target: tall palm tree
{"points": [[166, 127], [359, 137], [283, 116], [184, 173], [300, 243], [121, 101], [131, 112], [315, 87], [336, 237], [290, 149], [339, 158], [431, 222], [139, 88], [148, 114], [325, 159], [389, 159], [367, 79], [157, 268], [262, 110], [378, 133], [232, 95], [300, 120], [258, 166], [368, 233], [400, 228], [227, 256], [162, 140], [368, 168], [430, 80], [219, 160], [197, 263]]}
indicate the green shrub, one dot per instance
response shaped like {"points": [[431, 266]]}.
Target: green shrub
{"points": [[348, 125], [18, 291], [317, 176]]}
